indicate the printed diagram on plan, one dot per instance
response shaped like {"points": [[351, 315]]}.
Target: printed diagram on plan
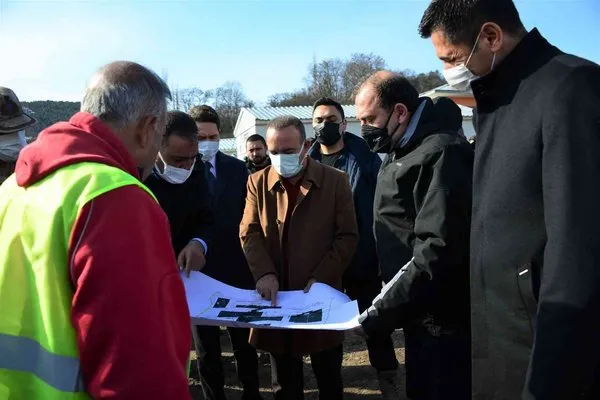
{"points": [[256, 313], [214, 303]]}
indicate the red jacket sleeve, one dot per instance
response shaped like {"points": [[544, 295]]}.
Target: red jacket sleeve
{"points": [[129, 308]]}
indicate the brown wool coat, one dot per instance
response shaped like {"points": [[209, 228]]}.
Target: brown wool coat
{"points": [[322, 239]]}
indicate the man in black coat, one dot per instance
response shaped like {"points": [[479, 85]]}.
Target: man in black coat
{"points": [[536, 209], [422, 219], [362, 281], [182, 191], [227, 177]]}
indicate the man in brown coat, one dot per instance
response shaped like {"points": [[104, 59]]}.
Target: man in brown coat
{"points": [[299, 227]]}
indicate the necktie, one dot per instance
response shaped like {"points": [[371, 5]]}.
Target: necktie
{"points": [[210, 177]]}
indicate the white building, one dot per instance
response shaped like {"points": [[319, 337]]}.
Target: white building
{"points": [[228, 146], [460, 97], [254, 121]]}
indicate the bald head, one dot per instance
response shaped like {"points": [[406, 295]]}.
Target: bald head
{"points": [[391, 88], [122, 92], [380, 76], [385, 103]]}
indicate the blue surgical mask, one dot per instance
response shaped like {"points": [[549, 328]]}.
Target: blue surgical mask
{"points": [[286, 165], [208, 149]]}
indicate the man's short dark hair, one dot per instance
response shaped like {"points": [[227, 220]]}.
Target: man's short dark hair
{"points": [[327, 101], [205, 113], [288, 120], [256, 138], [461, 20], [393, 88], [182, 125]]}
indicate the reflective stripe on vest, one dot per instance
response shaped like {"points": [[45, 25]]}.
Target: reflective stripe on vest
{"points": [[26, 355], [39, 358]]}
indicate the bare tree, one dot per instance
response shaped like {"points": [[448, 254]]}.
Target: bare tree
{"points": [[334, 78], [423, 81], [358, 68], [191, 97], [339, 79], [228, 100], [298, 98], [184, 99], [325, 78]]}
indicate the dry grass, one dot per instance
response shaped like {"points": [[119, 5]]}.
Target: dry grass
{"points": [[360, 379]]}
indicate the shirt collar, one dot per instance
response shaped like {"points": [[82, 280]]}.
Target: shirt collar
{"points": [[213, 162]]}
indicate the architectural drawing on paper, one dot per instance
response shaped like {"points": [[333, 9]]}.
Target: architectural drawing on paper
{"points": [[214, 303], [246, 312]]}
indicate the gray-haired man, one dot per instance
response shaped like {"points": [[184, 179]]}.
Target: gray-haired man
{"points": [[80, 232]]}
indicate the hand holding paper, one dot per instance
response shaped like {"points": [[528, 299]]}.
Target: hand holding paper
{"points": [[216, 304]]}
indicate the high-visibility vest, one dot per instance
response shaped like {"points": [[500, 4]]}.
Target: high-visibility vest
{"points": [[39, 358]]}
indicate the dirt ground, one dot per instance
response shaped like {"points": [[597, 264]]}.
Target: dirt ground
{"points": [[360, 379]]}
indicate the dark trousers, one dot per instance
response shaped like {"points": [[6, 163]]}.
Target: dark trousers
{"points": [[210, 365], [288, 375], [437, 367], [380, 347]]}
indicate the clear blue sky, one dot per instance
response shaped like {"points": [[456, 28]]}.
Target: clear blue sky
{"points": [[48, 49]]}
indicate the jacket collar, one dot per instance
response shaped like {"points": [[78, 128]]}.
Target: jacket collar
{"points": [[315, 151], [527, 57], [414, 122], [312, 173], [354, 145], [421, 126]]}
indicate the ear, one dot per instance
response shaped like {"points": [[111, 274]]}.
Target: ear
{"points": [[145, 131], [402, 113], [344, 125], [492, 36]]}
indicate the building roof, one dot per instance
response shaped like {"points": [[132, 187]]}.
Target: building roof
{"points": [[305, 112], [300, 112], [447, 90], [227, 144]]}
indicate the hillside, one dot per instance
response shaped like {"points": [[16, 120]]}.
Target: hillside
{"points": [[49, 112]]}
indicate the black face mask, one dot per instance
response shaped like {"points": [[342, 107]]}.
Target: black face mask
{"points": [[378, 139], [327, 133]]}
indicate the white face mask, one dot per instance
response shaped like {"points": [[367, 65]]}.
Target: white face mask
{"points": [[208, 148], [459, 76], [174, 175], [286, 165]]}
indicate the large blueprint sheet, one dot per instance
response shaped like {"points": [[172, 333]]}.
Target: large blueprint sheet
{"points": [[214, 303]]}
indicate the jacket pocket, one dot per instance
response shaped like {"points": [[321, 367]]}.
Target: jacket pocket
{"points": [[525, 285]]}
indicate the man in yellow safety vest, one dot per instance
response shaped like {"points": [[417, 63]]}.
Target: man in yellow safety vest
{"points": [[92, 304]]}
